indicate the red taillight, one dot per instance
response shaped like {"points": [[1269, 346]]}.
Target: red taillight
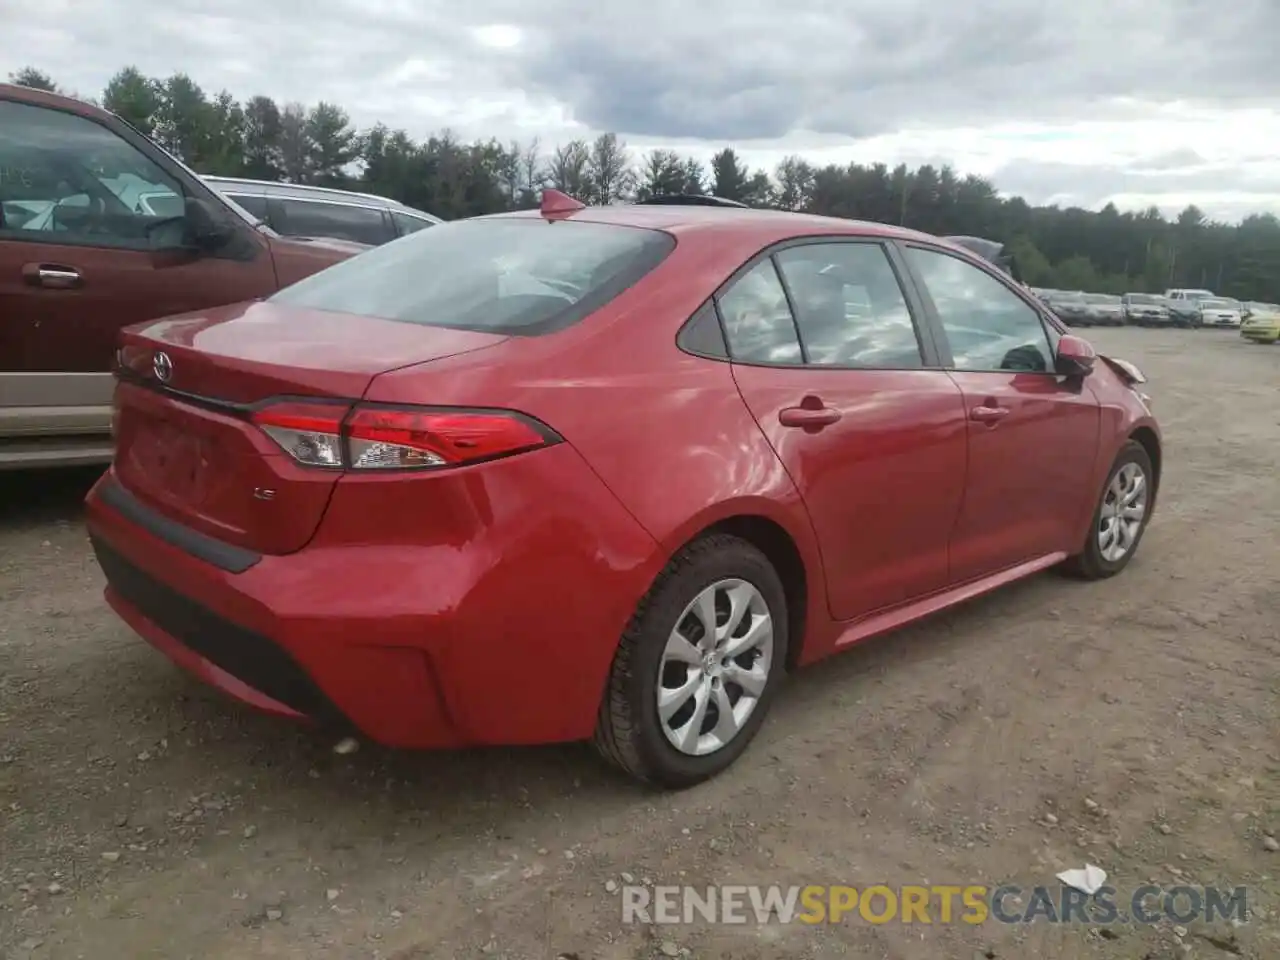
{"points": [[381, 437], [309, 432], [373, 437]]}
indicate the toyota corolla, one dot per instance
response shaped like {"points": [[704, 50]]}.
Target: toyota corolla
{"points": [[603, 473]]}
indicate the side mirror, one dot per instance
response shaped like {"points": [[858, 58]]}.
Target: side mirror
{"points": [[205, 229], [1075, 357], [182, 239]]}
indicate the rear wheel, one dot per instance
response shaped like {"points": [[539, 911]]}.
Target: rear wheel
{"points": [[697, 667], [1120, 518]]}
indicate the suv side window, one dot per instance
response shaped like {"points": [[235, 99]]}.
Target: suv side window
{"points": [[67, 180], [255, 204], [849, 306], [406, 224], [989, 327], [757, 319], [320, 218]]}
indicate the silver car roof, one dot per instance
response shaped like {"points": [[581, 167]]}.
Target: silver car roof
{"points": [[298, 191]]}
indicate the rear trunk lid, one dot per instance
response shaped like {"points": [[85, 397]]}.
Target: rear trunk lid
{"points": [[188, 386]]}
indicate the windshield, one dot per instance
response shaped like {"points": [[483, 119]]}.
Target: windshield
{"points": [[1100, 298], [1143, 298], [499, 275], [1217, 303]]}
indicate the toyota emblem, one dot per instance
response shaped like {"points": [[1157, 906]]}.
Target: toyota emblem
{"points": [[162, 367]]}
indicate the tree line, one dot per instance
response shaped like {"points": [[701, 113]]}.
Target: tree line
{"points": [[1072, 248]]}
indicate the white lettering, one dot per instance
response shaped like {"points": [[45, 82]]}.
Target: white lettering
{"points": [[667, 905], [774, 903], [694, 902], [635, 904], [731, 905]]}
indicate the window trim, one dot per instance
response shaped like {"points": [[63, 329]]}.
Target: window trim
{"points": [[1049, 325], [930, 358], [246, 246]]}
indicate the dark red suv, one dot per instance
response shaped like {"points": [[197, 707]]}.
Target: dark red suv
{"points": [[100, 228]]}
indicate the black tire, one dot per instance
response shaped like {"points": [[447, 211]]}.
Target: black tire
{"points": [[1090, 564], [628, 730]]}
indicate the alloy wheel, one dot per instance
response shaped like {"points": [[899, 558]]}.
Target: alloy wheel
{"points": [[1124, 507], [715, 667]]}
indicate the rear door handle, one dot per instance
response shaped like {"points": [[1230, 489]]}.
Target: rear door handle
{"points": [[54, 276], [985, 413], [809, 418]]}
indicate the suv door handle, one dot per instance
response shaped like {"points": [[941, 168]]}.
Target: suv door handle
{"points": [[808, 417], [985, 413], [55, 276]]}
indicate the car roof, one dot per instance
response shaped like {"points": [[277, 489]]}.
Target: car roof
{"points": [[59, 101], [766, 226], [304, 191]]}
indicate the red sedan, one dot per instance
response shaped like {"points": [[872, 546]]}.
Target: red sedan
{"points": [[603, 473]]}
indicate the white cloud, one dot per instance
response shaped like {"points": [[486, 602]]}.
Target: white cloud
{"points": [[1134, 101]]}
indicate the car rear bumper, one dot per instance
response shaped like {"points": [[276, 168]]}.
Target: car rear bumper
{"points": [[506, 639]]}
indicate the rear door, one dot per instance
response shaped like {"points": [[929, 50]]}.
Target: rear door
{"points": [[82, 268], [829, 359], [1033, 434]]}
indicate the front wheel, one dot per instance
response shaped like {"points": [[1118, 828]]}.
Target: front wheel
{"points": [[697, 667], [1120, 518]]}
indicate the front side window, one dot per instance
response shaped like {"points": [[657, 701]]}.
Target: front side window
{"points": [[849, 306], [505, 275], [988, 326], [341, 221], [757, 319], [253, 204], [66, 179]]}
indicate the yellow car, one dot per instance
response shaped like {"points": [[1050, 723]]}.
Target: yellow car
{"points": [[1263, 323]]}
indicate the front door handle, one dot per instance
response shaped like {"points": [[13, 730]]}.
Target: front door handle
{"points": [[985, 413], [811, 418], [54, 276]]}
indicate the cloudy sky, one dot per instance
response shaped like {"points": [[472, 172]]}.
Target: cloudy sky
{"points": [[1136, 101]]}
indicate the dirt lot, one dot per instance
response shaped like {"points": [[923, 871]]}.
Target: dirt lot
{"points": [[143, 816]]}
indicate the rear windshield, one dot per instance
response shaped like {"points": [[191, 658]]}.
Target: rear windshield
{"points": [[502, 275], [1217, 303], [1144, 298]]}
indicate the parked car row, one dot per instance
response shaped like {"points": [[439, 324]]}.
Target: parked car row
{"points": [[1177, 308]]}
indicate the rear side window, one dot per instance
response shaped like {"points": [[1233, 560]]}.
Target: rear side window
{"points": [[501, 275], [849, 306], [341, 221], [406, 224], [757, 318]]}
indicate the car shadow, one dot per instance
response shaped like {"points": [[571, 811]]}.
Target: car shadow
{"points": [[32, 497]]}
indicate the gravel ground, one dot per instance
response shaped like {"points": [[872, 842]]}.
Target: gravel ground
{"points": [[1132, 724]]}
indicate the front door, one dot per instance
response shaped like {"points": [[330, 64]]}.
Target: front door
{"points": [[76, 266], [1033, 434], [828, 359]]}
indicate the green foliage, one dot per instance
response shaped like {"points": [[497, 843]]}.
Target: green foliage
{"points": [[33, 78], [1106, 250]]}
